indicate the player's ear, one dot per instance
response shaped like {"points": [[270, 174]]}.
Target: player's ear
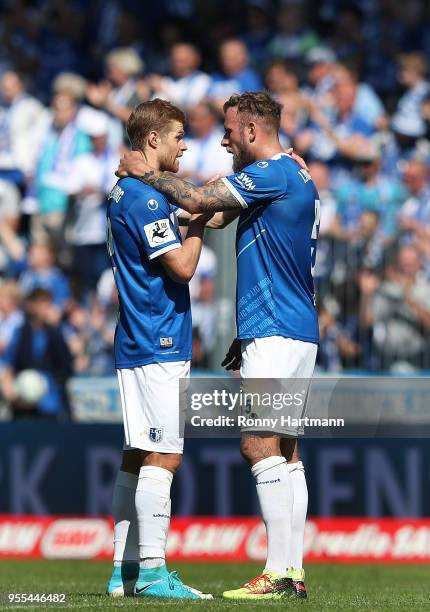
{"points": [[153, 139], [251, 131]]}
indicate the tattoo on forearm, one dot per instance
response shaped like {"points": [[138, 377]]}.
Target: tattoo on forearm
{"points": [[210, 198]]}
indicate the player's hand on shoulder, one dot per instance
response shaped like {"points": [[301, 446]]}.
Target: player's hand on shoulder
{"points": [[297, 158], [233, 358], [132, 163]]}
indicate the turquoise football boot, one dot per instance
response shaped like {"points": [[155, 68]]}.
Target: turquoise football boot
{"points": [[123, 579], [158, 582]]}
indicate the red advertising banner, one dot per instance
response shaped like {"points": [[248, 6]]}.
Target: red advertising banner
{"points": [[343, 540]]}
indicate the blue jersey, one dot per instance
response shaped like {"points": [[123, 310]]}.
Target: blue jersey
{"points": [[154, 322], [275, 248]]}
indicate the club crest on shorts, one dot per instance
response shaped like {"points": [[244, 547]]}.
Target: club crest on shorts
{"points": [[155, 434]]}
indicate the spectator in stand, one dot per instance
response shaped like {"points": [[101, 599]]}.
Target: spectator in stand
{"points": [[320, 62], [294, 39], [205, 157], [12, 246], [412, 75], [367, 105], [328, 356], [71, 84], [337, 140], [324, 259], [403, 142], [90, 336], [293, 118], [63, 142], [41, 273], [281, 78], [91, 177], [38, 345], [365, 248], [414, 215], [118, 94], [186, 85], [236, 75], [23, 120], [368, 190], [400, 312], [11, 315], [75, 86]]}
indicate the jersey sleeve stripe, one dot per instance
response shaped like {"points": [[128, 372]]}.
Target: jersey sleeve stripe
{"points": [[169, 247], [235, 192]]}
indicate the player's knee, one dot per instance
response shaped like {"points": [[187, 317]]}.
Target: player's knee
{"points": [[254, 448], [167, 461], [175, 462], [250, 449]]}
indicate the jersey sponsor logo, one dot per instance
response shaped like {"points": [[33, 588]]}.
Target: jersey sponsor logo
{"points": [[159, 232], [152, 204], [155, 434], [166, 342], [116, 194], [245, 182], [304, 174], [263, 164]]}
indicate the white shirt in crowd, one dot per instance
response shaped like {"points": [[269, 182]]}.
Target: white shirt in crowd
{"points": [[96, 175], [23, 126], [205, 158], [186, 91]]}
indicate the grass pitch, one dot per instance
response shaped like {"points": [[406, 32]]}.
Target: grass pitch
{"points": [[330, 587]]}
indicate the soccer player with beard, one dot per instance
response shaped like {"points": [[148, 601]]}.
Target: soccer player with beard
{"points": [[152, 267], [278, 208]]}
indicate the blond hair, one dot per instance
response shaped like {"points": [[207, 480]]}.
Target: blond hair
{"points": [[126, 60]]}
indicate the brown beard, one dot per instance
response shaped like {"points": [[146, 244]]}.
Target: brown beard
{"points": [[241, 160]]}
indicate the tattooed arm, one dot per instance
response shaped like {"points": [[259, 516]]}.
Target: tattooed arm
{"points": [[213, 197], [209, 198]]}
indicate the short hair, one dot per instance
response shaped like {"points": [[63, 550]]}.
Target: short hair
{"points": [[188, 44], [125, 59], [258, 104], [154, 115], [70, 83], [415, 61], [38, 295]]}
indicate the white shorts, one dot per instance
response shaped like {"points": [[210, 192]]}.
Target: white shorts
{"points": [[283, 359], [151, 406]]}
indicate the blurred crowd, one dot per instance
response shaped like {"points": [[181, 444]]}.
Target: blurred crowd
{"points": [[352, 78]]}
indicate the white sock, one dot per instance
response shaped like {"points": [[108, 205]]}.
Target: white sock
{"points": [[300, 508], [125, 540], [153, 511], [152, 562], [276, 502]]}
